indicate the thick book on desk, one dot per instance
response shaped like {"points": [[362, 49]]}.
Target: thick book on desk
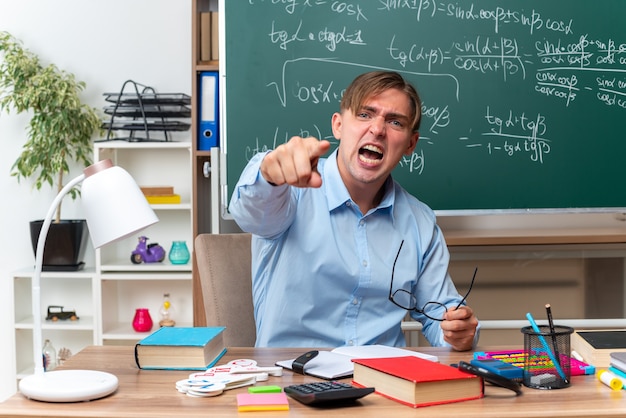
{"points": [[417, 382], [596, 346], [183, 348]]}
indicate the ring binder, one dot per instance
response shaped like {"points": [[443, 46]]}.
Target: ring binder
{"points": [[208, 127]]}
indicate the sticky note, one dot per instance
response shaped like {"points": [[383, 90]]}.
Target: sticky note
{"points": [[265, 389], [262, 402]]}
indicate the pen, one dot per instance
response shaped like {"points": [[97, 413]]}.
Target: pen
{"points": [[551, 325], [535, 328]]}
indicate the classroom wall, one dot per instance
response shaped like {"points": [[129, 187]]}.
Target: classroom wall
{"points": [[104, 43]]}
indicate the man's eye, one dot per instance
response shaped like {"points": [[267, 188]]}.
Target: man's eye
{"points": [[396, 123]]}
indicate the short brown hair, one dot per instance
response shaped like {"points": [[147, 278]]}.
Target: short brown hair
{"points": [[373, 83]]}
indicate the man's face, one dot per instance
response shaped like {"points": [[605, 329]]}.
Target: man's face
{"points": [[374, 138]]}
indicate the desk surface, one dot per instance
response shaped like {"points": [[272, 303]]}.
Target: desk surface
{"points": [[144, 393]]}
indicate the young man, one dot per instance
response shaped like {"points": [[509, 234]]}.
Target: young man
{"points": [[340, 251]]}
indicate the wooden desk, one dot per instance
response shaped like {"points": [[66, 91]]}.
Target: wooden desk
{"points": [[143, 393]]}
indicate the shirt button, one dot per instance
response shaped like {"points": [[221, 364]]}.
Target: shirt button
{"points": [[348, 204], [355, 301], [361, 222], [364, 263], [350, 342]]}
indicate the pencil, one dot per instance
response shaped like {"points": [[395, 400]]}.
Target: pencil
{"points": [[552, 332]]}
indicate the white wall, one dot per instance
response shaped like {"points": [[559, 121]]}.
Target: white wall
{"points": [[104, 43]]}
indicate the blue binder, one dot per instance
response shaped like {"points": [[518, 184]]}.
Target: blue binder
{"points": [[208, 126]]}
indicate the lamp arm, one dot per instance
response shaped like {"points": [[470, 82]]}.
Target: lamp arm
{"points": [[36, 283]]}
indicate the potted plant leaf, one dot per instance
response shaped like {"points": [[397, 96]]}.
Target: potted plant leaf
{"points": [[59, 133]]}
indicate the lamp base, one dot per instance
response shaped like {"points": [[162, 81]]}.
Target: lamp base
{"points": [[68, 385]]}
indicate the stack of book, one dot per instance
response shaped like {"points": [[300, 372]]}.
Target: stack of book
{"points": [[618, 365], [160, 195]]}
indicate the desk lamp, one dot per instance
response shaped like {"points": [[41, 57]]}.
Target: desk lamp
{"points": [[114, 208]]}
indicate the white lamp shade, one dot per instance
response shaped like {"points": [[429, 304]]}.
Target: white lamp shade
{"points": [[113, 204]]}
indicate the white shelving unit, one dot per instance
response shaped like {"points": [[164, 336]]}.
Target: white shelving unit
{"points": [[73, 335], [124, 286], [105, 296]]}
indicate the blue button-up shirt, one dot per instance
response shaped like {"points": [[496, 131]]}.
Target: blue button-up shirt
{"points": [[321, 269]]}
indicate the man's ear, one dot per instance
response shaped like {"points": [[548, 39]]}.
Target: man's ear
{"points": [[411, 147], [336, 123]]}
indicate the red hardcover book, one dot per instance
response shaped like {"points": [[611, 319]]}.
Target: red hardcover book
{"points": [[417, 382]]}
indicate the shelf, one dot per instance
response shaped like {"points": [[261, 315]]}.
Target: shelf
{"points": [[208, 66], [118, 144], [168, 206], [85, 323], [203, 153], [125, 331], [163, 269], [85, 273], [178, 274]]}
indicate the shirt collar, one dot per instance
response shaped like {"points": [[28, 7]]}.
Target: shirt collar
{"points": [[336, 191]]}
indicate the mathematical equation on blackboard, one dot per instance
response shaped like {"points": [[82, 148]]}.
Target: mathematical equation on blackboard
{"points": [[552, 57]]}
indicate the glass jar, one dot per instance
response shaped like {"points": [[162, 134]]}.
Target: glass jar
{"points": [[142, 322], [49, 356], [179, 254]]}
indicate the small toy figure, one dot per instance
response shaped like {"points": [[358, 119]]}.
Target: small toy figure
{"points": [[147, 253], [58, 312]]}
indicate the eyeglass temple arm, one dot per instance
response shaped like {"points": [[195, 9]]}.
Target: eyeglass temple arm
{"points": [[393, 270], [468, 290]]}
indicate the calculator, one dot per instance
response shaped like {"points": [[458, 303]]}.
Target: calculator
{"points": [[324, 393]]}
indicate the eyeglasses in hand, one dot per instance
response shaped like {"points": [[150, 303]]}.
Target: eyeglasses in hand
{"points": [[406, 300]]}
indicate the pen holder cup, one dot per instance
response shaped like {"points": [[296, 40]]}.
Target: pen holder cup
{"points": [[547, 357]]}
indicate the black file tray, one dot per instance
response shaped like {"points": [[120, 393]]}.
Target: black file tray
{"points": [[150, 111], [143, 110]]}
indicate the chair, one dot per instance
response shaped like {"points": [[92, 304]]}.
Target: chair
{"points": [[224, 262]]}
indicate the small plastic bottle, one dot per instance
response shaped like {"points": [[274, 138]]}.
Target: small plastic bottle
{"points": [[49, 356]]}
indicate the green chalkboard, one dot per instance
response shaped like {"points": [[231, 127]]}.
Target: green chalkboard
{"points": [[524, 101]]}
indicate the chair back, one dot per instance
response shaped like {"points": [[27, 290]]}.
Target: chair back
{"points": [[224, 268]]}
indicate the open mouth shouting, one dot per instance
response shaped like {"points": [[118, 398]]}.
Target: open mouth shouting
{"points": [[371, 155]]}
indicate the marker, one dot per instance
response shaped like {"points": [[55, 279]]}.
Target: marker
{"points": [[609, 379], [546, 347]]}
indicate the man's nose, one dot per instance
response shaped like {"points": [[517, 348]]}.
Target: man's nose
{"points": [[377, 127]]}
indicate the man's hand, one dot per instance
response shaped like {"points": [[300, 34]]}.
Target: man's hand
{"points": [[459, 328], [295, 162]]}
